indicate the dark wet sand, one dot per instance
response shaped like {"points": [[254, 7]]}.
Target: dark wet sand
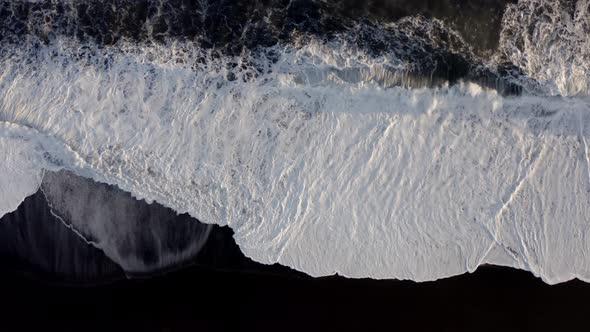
{"points": [[204, 299], [221, 290]]}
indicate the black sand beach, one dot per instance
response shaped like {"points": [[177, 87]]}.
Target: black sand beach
{"points": [[204, 299], [221, 290]]}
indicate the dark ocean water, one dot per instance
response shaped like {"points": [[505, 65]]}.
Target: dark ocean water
{"points": [[453, 50]]}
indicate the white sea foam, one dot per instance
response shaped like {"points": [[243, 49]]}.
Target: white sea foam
{"points": [[21, 176], [313, 165], [549, 41]]}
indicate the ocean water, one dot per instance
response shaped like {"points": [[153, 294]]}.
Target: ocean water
{"points": [[330, 137]]}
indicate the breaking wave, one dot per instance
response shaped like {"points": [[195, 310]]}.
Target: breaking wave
{"points": [[383, 149]]}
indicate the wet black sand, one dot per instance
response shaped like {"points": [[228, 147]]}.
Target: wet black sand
{"points": [[204, 299], [221, 290]]}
